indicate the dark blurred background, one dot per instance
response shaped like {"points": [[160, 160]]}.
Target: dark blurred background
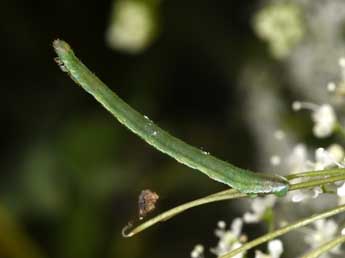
{"points": [[70, 173]]}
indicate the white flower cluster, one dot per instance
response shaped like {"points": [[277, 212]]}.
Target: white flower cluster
{"points": [[281, 25], [275, 250], [229, 239], [232, 238], [300, 159], [259, 207], [323, 231], [323, 116]]}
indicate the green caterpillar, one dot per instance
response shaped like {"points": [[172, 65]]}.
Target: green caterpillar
{"points": [[243, 180]]}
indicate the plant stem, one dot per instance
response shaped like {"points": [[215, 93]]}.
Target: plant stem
{"points": [[284, 230], [220, 196], [224, 195], [325, 247], [318, 173], [318, 182]]}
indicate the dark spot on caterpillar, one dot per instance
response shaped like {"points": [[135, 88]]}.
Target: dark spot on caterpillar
{"points": [[146, 202]]}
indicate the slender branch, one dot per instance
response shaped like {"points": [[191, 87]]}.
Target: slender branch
{"points": [[284, 230], [224, 195], [318, 182], [325, 247], [318, 173], [220, 196]]}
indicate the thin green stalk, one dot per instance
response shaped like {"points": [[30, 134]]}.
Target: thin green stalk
{"points": [[318, 173], [325, 247], [231, 194], [284, 230], [317, 182], [220, 196]]}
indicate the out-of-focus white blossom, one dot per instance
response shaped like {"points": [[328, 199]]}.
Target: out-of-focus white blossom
{"points": [[304, 195], [336, 152], [279, 135], [328, 158], [324, 158], [331, 86], [297, 160], [312, 64], [324, 121], [323, 116], [197, 252], [325, 230], [341, 62], [281, 25], [298, 196], [343, 232], [275, 160], [132, 26], [259, 206], [341, 191], [229, 239], [317, 191], [275, 250]]}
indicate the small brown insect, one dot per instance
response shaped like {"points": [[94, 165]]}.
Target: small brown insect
{"points": [[146, 202]]}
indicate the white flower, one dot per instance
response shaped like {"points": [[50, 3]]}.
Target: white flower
{"points": [[259, 254], [341, 191], [317, 191], [341, 62], [259, 206], [297, 160], [323, 116], [325, 230], [281, 25], [279, 135], [299, 196], [275, 250], [331, 86], [343, 232], [303, 195], [328, 158], [197, 252], [275, 160], [324, 121], [229, 239], [132, 26]]}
